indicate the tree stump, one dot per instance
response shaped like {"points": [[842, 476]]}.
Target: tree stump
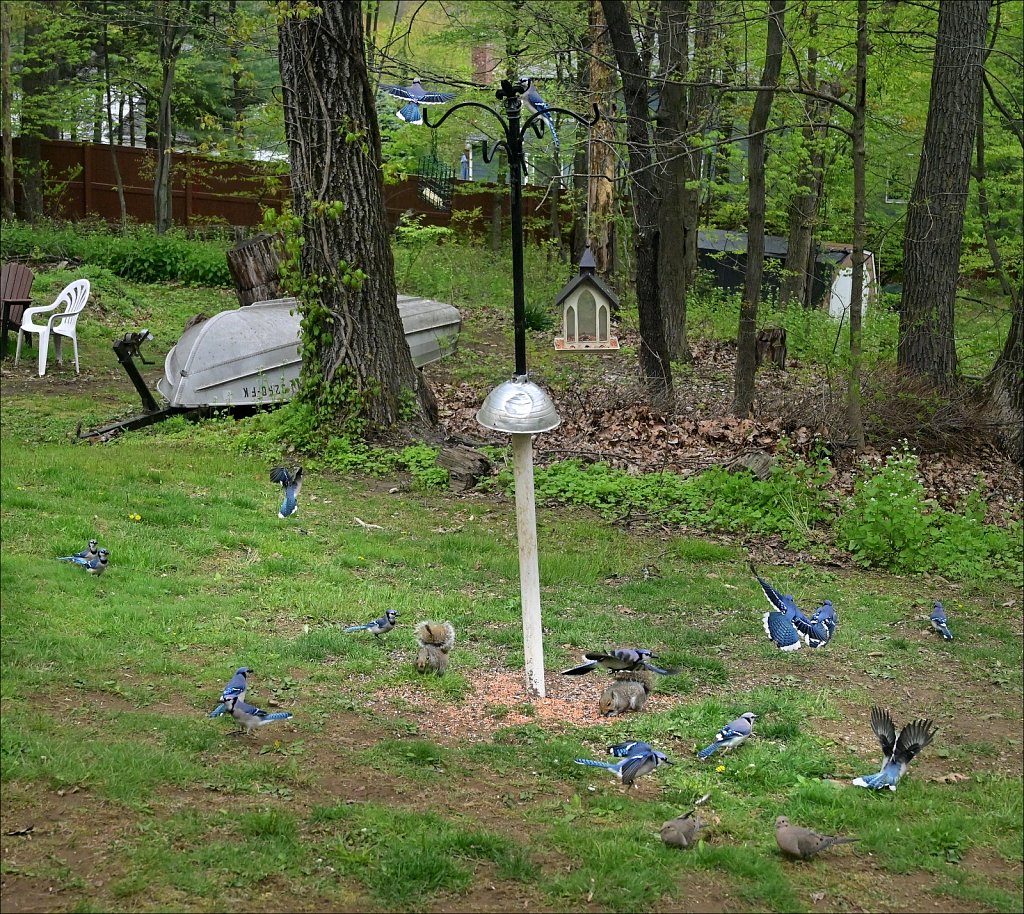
{"points": [[771, 342], [759, 463], [255, 268], [465, 466]]}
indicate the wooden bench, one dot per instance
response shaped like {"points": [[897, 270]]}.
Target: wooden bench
{"points": [[15, 287]]}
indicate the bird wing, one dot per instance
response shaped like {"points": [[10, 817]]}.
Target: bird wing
{"points": [[784, 603], [636, 765], [400, 92], [884, 729], [296, 485], [913, 738], [435, 98], [280, 475], [782, 631]]}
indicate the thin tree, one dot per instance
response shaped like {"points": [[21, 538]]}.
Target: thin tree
{"points": [[743, 400], [600, 165], [7, 209], [654, 361], [356, 362], [935, 214], [172, 26]]}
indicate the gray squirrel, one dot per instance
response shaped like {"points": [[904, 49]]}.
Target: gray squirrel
{"points": [[628, 692], [436, 641]]}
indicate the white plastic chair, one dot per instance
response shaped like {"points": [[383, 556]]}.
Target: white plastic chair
{"points": [[60, 325]]}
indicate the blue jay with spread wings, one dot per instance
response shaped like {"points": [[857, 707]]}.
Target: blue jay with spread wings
{"points": [[89, 553], [731, 735], [379, 626], [414, 96], [292, 483], [898, 753], [623, 659], [641, 760], [939, 622], [537, 105], [235, 688], [628, 748]]}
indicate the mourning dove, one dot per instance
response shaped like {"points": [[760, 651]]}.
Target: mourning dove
{"points": [[681, 831], [802, 843]]}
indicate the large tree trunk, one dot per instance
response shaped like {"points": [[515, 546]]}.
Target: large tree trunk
{"points": [[854, 419], [356, 363], [746, 355], [601, 165], [654, 362], [674, 174], [172, 23], [1004, 387], [39, 75], [7, 206], [935, 215]]}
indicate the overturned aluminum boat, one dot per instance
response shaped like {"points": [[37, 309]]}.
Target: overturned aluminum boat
{"points": [[250, 356]]}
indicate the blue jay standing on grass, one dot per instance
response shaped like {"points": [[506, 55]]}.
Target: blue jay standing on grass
{"points": [[633, 766], [89, 553], [537, 105], [250, 717], [630, 747], [235, 688], [379, 626], [292, 483], [94, 566], [414, 96], [788, 626], [938, 620], [898, 753], [623, 659], [731, 735], [823, 626]]}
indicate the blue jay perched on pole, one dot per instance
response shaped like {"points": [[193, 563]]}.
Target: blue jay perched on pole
{"points": [[250, 717], [292, 483], [623, 659], [788, 626], [414, 96], [938, 620], [235, 688], [731, 735], [89, 553], [898, 753], [639, 762], [537, 105], [379, 626], [94, 566]]}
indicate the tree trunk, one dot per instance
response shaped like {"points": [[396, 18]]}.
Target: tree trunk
{"points": [[674, 173], [356, 363], [746, 356], [854, 420], [115, 162], [7, 204], [654, 362], [601, 165], [697, 121], [935, 214], [37, 79], [1003, 392], [173, 28]]}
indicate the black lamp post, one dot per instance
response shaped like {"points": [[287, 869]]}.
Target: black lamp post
{"points": [[519, 406]]}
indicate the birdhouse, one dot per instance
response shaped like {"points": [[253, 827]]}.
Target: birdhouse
{"points": [[587, 305]]}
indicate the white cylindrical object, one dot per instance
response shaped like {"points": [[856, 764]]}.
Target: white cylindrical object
{"points": [[529, 573]]}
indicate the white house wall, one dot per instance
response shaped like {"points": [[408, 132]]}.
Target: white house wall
{"points": [[842, 289]]}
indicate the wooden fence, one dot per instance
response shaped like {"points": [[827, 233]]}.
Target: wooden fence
{"points": [[79, 182]]}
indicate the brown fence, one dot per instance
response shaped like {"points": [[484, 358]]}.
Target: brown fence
{"points": [[79, 181]]}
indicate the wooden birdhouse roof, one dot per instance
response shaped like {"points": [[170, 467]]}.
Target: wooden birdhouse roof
{"points": [[587, 276]]}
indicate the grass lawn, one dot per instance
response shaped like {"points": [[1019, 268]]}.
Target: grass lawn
{"points": [[388, 791]]}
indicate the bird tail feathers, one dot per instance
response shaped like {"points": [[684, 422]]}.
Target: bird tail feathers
{"points": [[708, 751], [593, 764]]}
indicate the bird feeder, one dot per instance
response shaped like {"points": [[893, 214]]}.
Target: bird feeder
{"points": [[587, 305]]}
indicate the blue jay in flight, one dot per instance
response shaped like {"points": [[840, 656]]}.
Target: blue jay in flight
{"points": [[379, 626], [88, 553], [898, 753], [414, 96], [731, 735], [537, 105], [250, 717], [623, 659], [633, 766], [292, 483], [938, 620], [234, 689], [94, 566]]}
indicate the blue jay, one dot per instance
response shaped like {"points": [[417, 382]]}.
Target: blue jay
{"points": [[822, 626], [788, 626], [415, 95], [94, 566], [731, 735], [632, 766], [898, 753], [379, 626], [537, 105], [623, 659], [234, 689], [250, 717], [630, 747], [292, 483], [938, 620], [89, 553]]}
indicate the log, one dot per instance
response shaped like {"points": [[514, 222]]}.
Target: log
{"points": [[255, 268], [759, 463], [771, 342], [465, 466]]}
